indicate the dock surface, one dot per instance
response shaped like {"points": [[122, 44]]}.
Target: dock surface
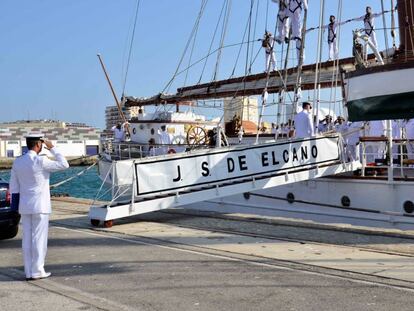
{"points": [[188, 260]]}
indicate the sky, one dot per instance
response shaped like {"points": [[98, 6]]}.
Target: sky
{"points": [[48, 63]]}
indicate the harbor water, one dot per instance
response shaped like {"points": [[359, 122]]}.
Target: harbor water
{"points": [[84, 186]]}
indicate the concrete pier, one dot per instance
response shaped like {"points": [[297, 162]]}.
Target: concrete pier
{"points": [[186, 260]]}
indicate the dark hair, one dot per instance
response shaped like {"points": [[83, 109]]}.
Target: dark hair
{"points": [[304, 104], [31, 143]]}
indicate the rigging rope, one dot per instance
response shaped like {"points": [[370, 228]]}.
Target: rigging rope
{"points": [[195, 27], [130, 48], [254, 35], [223, 36], [384, 22], [192, 48], [72, 177], [248, 36], [316, 93], [212, 42]]}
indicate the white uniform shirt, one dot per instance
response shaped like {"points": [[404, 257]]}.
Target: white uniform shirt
{"points": [[30, 177], [297, 5], [165, 140], [119, 134], [369, 22], [304, 125]]}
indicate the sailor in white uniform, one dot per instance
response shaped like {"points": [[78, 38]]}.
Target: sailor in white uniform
{"points": [[267, 44], [295, 8], [303, 122], [352, 140], [30, 180], [282, 21], [376, 150], [369, 25], [119, 132], [164, 140]]}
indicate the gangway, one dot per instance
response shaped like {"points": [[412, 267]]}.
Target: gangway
{"points": [[162, 182]]}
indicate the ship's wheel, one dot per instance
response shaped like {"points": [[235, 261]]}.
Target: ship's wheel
{"points": [[196, 136]]}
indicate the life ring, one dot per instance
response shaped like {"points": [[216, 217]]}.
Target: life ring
{"points": [[171, 150]]}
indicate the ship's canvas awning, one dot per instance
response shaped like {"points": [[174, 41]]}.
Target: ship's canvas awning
{"points": [[251, 85]]}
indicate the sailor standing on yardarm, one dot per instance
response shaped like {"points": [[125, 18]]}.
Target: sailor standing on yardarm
{"points": [[295, 15], [29, 186], [369, 25], [282, 21]]}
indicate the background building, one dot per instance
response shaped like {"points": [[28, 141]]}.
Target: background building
{"points": [[112, 116], [73, 139]]}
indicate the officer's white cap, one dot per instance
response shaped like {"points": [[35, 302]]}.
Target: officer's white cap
{"points": [[35, 136]]}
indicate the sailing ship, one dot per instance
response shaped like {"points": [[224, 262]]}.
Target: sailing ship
{"points": [[347, 192]]}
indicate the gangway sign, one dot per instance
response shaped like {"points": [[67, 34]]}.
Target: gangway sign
{"points": [[170, 181]]}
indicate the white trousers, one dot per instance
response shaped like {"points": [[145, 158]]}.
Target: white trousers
{"points": [[34, 243], [373, 39], [333, 50], [270, 60], [296, 20], [282, 27]]}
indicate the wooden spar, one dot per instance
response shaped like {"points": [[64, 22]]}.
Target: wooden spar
{"points": [[406, 25], [249, 85], [112, 88], [113, 92]]}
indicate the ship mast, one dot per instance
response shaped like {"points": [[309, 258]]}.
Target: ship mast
{"points": [[406, 26]]}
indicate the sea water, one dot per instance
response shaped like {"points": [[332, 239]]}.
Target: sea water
{"points": [[84, 186]]}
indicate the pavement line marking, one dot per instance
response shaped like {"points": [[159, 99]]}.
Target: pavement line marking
{"points": [[250, 262], [71, 292]]}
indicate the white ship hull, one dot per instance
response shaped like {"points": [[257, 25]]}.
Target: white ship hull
{"points": [[375, 203]]}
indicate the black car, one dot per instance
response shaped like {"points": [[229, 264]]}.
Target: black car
{"points": [[9, 219]]}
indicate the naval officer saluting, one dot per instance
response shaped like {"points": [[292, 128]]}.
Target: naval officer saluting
{"points": [[30, 179]]}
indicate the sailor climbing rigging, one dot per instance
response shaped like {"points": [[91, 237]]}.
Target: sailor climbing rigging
{"points": [[267, 44]]}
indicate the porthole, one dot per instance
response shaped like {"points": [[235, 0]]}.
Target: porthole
{"points": [[152, 131], [246, 195], [408, 207], [134, 130], [290, 197], [141, 126], [346, 201]]}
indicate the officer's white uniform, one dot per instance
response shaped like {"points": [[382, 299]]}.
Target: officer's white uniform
{"points": [[30, 178], [304, 125], [295, 15], [282, 21]]}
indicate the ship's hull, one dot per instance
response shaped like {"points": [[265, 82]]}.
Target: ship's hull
{"points": [[381, 93], [362, 202]]}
